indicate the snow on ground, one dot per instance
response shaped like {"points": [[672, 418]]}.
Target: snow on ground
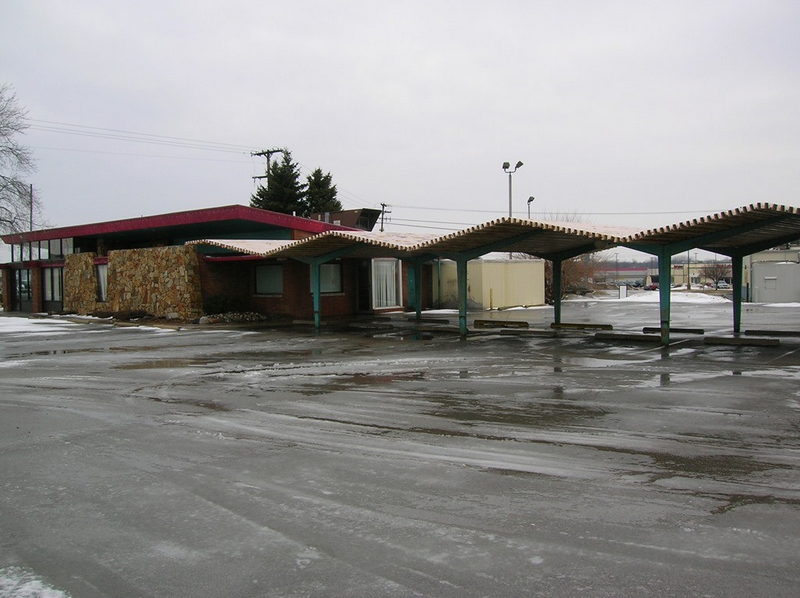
{"points": [[780, 304], [676, 297], [13, 325], [19, 583], [653, 297]]}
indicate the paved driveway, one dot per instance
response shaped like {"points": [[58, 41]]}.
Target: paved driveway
{"points": [[200, 463]]}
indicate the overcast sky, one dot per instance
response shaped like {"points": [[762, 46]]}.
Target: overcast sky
{"points": [[633, 113]]}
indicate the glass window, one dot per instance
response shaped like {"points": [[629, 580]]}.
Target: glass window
{"points": [[385, 283], [53, 283], [330, 278], [66, 246], [102, 282], [55, 248], [23, 284], [269, 279]]}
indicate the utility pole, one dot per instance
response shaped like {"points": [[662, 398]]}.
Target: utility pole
{"points": [[383, 213], [268, 154], [688, 271]]}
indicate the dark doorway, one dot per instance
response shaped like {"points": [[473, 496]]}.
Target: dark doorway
{"points": [[364, 290]]}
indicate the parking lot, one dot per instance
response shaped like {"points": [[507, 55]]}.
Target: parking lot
{"points": [[205, 461]]}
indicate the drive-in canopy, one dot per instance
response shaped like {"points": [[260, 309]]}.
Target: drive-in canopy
{"points": [[735, 233]]}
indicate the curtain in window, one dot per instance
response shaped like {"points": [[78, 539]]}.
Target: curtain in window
{"points": [[102, 282], [384, 283], [52, 283]]}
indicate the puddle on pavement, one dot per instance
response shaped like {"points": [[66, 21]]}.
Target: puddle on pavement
{"points": [[199, 403], [385, 429], [700, 465], [77, 350], [742, 500], [535, 414], [166, 363]]}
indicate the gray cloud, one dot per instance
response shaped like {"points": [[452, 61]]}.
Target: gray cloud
{"points": [[613, 106]]}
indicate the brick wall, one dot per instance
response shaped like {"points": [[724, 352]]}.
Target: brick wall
{"points": [[233, 283]]}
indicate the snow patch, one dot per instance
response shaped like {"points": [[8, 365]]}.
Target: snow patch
{"points": [[675, 297], [11, 325], [16, 582]]}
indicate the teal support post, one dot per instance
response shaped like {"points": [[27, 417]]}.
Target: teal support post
{"points": [[412, 284], [417, 288], [461, 274], [414, 278], [664, 284], [736, 282], [557, 290], [316, 292]]}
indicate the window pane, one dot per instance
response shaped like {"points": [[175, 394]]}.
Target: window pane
{"points": [[66, 246], [52, 283], [102, 282], [55, 248], [269, 280], [330, 278], [47, 275], [24, 285], [384, 283], [58, 284]]}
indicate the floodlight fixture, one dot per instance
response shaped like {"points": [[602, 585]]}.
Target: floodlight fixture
{"points": [[507, 169]]}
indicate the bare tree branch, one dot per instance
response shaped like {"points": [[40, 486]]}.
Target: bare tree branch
{"points": [[16, 200]]}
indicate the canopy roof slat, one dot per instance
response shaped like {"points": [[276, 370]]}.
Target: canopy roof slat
{"points": [[725, 232]]}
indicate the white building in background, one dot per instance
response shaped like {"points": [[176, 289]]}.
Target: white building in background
{"points": [[774, 275], [493, 282]]}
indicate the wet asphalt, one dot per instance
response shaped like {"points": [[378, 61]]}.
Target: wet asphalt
{"points": [[204, 462]]}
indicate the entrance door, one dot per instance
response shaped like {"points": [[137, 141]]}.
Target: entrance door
{"points": [[364, 295], [23, 298]]}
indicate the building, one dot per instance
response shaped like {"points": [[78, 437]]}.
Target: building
{"points": [[145, 265], [494, 283], [773, 276]]}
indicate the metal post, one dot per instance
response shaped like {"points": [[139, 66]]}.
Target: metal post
{"points": [[556, 266], [736, 282], [316, 292], [461, 275], [664, 283], [688, 271], [509, 196]]}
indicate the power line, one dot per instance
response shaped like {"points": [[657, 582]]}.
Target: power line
{"points": [[151, 141], [579, 213], [423, 226], [132, 154], [140, 134]]}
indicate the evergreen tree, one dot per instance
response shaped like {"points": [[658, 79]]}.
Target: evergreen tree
{"points": [[284, 191], [321, 194]]}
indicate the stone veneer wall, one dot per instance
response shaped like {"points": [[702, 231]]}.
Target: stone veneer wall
{"points": [[80, 284], [162, 281]]}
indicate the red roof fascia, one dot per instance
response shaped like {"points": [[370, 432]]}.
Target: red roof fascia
{"points": [[234, 212]]}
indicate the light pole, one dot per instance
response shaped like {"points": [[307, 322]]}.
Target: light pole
{"points": [[530, 200], [507, 168], [688, 271]]}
